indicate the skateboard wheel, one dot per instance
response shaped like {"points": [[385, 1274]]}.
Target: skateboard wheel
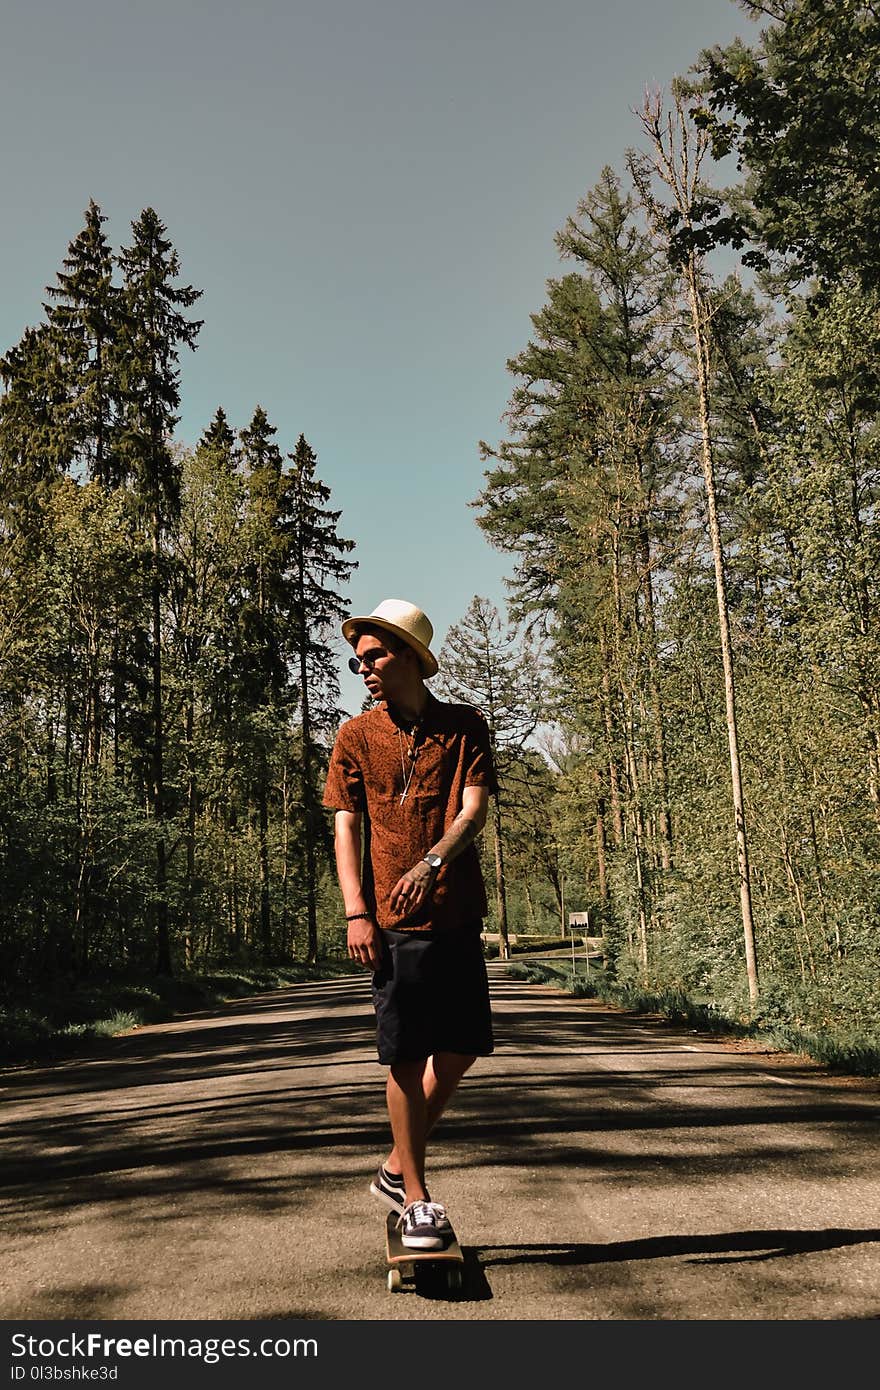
{"points": [[395, 1281]]}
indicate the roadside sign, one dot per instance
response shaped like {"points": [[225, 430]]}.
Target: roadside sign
{"points": [[579, 922]]}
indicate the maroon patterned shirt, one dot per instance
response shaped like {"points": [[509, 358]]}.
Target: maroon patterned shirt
{"points": [[369, 769]]}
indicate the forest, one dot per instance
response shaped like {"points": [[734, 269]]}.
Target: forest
{"points": [[685, 692]]}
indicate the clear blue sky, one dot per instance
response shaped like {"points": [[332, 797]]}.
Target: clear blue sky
{"points": [[365, 190]]}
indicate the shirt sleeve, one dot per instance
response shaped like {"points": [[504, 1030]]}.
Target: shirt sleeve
{"points": [[344, 788], [479, 767]]}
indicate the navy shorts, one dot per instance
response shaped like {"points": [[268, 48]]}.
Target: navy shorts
{"points": [[431, 995]]}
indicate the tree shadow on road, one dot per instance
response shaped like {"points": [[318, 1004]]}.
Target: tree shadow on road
{"points": [[723, 1247], [209, 1108]]}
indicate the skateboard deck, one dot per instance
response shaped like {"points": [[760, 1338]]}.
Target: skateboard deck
{"points": [[403, 1261]]}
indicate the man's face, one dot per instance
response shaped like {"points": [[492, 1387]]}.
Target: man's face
{"points": [[385, 672]]}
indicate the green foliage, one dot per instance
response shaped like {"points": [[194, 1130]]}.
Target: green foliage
{"points": [[167, 697], [849, 1048], [799, 110], [483, 665], [166, 685], [64, 1023], [595, 495]]}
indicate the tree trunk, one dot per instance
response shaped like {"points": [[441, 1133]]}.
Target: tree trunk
{"points": [[530, 906], [656, 703], [68, 709], [601, 844], [116, 665], [613, 774], [642, 886], [308, 790], [500, 887], [263, 853], [163, 937], [287, 945], [191, 799], [742, 850]]}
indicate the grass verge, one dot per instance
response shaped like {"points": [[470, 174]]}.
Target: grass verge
{"points": [[59, 1023], [842, 1050]]}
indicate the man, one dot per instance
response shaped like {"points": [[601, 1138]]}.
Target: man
{"points": [[414, 775]]}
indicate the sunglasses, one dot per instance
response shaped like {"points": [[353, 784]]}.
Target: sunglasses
{"points": [[368, 659]]}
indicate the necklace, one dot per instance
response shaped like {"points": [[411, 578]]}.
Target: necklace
{"points": [[412, 750]]}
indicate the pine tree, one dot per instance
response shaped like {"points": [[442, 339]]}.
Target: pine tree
{"points": [[829, 397], [155, 328], [634, 288], [319, 567], [584, 494], [678, 152], [35, 450], [95, 575], [204, 597], [225, 679], [265, 652], [219, 440], [85, 322]]}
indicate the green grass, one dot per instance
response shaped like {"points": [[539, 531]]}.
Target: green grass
{"points": [[58, 1023], [539, 972], [841, 1049]]}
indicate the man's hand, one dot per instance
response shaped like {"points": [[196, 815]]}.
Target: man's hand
{"points": [[410, 891], [365, 942]]}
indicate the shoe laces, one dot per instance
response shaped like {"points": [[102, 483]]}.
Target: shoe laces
{"points": [[425, 1214]]}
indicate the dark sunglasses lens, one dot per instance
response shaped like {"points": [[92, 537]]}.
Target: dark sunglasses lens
{"points": [[368, 659]]}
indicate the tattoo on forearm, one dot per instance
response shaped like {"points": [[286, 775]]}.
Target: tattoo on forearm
{"points": [[467, 831], [462, 832]]}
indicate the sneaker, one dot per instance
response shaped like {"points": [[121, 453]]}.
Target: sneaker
{"points": [[389, 1188], [424, 1226]]}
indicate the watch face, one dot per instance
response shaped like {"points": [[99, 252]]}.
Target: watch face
{"points": [[434, 860]]}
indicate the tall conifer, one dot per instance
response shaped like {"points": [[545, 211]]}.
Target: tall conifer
{"points": [[155, 328], [678, 151], [264, 652], [319, 567], [85, 319]]}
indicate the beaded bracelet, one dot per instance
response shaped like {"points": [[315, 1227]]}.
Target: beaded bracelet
{"points": [[355, 915]]}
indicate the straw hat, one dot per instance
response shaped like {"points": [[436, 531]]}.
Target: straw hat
{"points": [[406, 622]]}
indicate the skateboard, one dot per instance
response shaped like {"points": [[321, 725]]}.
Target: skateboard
{"points": [[403, 1262]]}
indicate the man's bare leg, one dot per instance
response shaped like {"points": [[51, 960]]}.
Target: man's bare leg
{"points": [[408, 1113], [438, 1080]]}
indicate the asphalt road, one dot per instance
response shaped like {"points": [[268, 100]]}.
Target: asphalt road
{"points": [[599, 1166]]}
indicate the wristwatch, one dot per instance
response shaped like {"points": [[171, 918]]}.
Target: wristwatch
{"points": [[434, 860]]}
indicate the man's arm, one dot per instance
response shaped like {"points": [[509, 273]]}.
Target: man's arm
{"points": [[364, 942], [413, 888]]}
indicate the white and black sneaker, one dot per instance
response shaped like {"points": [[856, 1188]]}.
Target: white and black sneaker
{"points": [[389, 1188], [424, 1226]]}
